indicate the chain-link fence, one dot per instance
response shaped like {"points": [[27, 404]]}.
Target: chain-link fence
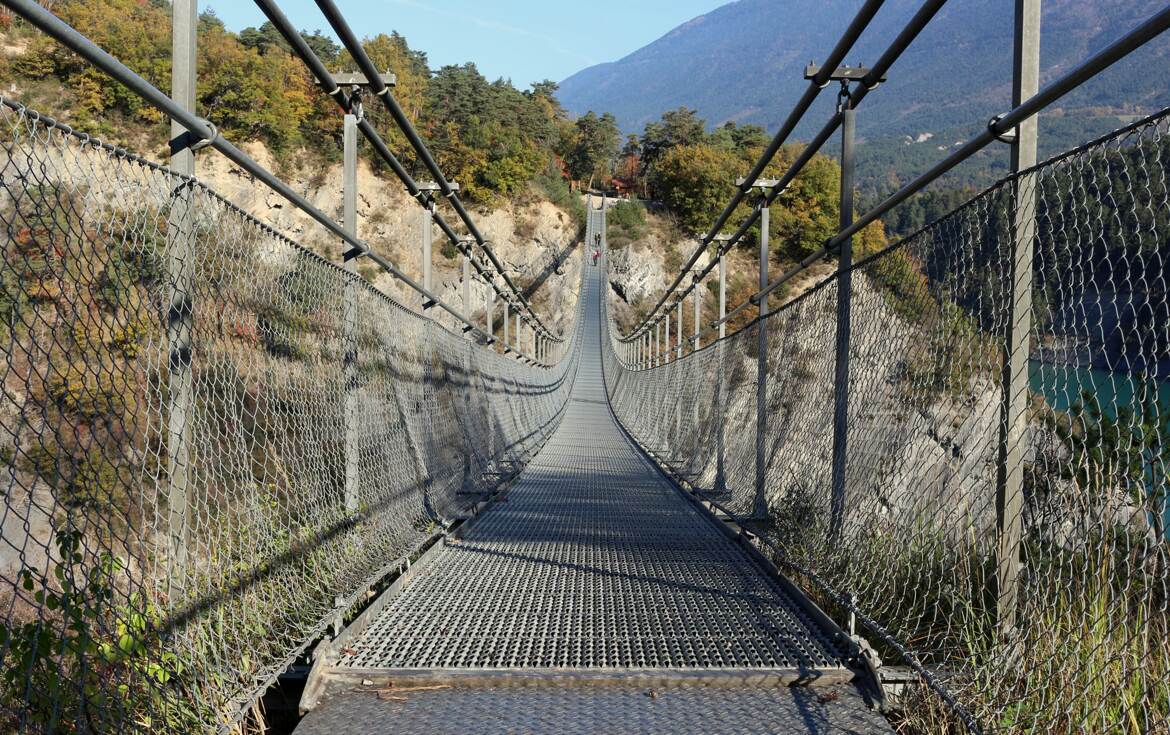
{"points": [[921, 543], [214, 440]]}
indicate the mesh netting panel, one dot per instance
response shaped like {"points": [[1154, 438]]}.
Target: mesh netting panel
{"points": [[214, 440], [918, 540]]}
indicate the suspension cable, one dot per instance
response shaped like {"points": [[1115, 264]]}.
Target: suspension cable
{"points": [[871, 80], [326, 81], [996, 129], [999, 126], [351, 43], [70, 38], [820, 81]]}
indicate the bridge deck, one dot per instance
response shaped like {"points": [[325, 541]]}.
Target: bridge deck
{"points": [[593, 564]]}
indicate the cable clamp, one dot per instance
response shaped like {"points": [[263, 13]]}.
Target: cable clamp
{"points": [[1009, 136], [843, 97], [201, 144]]}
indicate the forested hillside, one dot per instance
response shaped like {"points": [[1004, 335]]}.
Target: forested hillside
{"points": [[744, 62]]}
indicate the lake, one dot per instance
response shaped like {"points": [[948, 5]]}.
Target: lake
{"points": [[1061, 385]]}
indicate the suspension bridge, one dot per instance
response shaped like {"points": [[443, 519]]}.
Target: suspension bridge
{"points": [[927, 493]]}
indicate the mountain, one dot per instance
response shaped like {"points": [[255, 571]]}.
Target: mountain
{"points": [[745, 62]]}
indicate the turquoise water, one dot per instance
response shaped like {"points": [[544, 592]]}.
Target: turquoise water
{"points": [[1062, 386]]}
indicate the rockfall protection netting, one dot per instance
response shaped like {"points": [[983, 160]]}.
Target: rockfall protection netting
{"points": [[917, 544], [196, 488]]}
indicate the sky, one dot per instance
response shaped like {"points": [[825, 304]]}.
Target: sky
{"points": [[522, 40]]}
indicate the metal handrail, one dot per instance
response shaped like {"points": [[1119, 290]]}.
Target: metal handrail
{"points": [[204, 130], [820, 81], [995, 130], [326, 81], [373, 76], [903, 40]]}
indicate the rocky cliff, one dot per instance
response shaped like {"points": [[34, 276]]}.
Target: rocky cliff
{"points": [[534, 239]]}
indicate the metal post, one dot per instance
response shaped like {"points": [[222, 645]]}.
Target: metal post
{"points": [[1009, 498], [844, 325], [489, 308], [428, 218], [760, 503], [720, 387], [657, 344], [722, 295], [349, 197], [519, 351], [666, 343], [698, 314], [680, 378], [507, 313], [180, 317], [695, 402], [467, 283]]}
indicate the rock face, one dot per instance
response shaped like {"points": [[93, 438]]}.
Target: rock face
{"points": [[639, 273], [534, 241]]}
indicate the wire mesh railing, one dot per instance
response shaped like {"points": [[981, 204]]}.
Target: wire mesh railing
{"points": [[920, 533], [198, 486]]}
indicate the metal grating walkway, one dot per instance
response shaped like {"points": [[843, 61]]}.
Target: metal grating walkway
{"points": [[612, 711], [592, 561]]}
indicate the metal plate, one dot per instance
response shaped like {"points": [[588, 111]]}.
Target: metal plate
{"points": [[632, 711]]}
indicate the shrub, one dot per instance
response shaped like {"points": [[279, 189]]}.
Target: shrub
{"points": [[87, 389], [556, 189], [693, 182], [89, 659], [629, 218]]}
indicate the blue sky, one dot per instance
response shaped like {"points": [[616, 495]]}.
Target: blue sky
{"points": [[523, 40]]}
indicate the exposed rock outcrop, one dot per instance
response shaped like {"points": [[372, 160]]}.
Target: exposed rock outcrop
{"points": [[534, 241]]}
